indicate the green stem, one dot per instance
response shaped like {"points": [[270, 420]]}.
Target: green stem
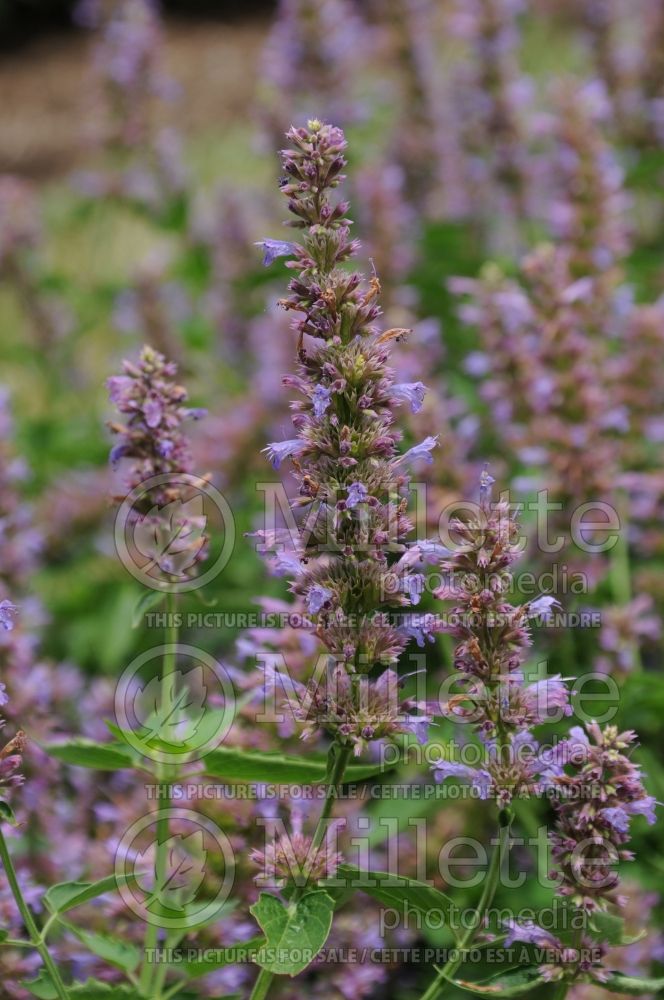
{"points": [[151, 973], [337, 760], [488, 892], [29, 922]]}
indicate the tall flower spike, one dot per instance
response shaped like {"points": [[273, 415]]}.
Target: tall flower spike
{"points": [[167, 513], [352, 559], [492, 636], [599, 795]]}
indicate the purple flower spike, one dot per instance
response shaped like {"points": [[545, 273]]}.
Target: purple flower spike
{"points": [[275, 248]]}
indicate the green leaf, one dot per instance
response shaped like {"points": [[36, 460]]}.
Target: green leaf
{"points": [[222, 956], [4, 934], [121, 954], [7, 813], [151, 599], [252, 765], [610, 928], [517, 983], [66, 895], [294, 933], [630, 984], [92, 989], [395, 890], [87, 753]]}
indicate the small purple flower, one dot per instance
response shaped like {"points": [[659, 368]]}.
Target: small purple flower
{"points": [[420, 627], [420, 451], [357, 493], [120, 388], [287, 565], [317, 597], [320, 398], [543, 697], [153, 412], [418, 725], [7, 614], [643, 807], [542, 606], [3, 694], [529, 933], [618, 817], [275, 248], [411, 393], [277, 451], [480, 779], [413, 585]]}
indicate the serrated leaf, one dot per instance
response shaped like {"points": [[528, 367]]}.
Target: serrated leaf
{"points": [[252, 765], [183, 875], [66, 895], [395, 890], [516, 983], [91, 989], [222, 957], [294, 933], [87, 753], [7, 813], [608, 927], [632, 985], [150, 599], [172, 709], [122, 954]]}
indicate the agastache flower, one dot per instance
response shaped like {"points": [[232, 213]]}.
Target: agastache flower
{"points": [[312, 57], [494, 99], [589, 210], [275, 248], [290, 857], [411, 393], [598, 795], [7, 613], [492, 636], [167, 515], [352, 560], [357, 711]]}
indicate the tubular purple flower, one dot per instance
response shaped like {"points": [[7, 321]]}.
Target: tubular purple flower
{"points": [[411, 393], [275, 248], [8, 612], [421, 451]]}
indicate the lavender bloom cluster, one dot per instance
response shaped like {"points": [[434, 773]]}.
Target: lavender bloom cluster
{"points": [[351, 561], [492, 636], [155, 452], [599, 791], [311, 59], [495, 100]]}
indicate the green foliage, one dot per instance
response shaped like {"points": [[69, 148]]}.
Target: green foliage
{"points": [[294, 933]]}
